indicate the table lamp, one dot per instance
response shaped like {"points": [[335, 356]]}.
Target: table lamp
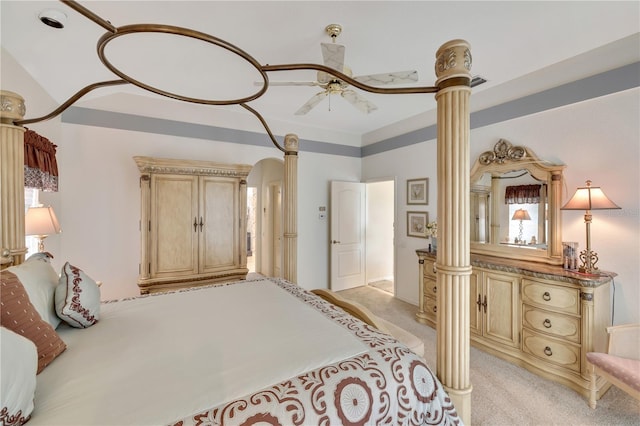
{"points": [[521, 214], [41, 222], [589, 198]]}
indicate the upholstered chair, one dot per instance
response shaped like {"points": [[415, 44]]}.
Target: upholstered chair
{"points": [[621, 364]]}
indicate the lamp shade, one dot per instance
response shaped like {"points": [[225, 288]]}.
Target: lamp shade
{"points": [[589, 198], [521, 214], [41, 221]]}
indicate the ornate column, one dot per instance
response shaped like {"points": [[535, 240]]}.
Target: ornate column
{"points": [[290, 212], [243, 223], [554, 195], [453, 66], [12, 245]]}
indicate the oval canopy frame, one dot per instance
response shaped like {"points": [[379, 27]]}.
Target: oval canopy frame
{"points": [[182, 32]]}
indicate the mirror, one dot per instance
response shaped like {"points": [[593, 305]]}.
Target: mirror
{"points": [[515, 205]]}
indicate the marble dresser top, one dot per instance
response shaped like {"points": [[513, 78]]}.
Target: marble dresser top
{"points": [[534, 269]]}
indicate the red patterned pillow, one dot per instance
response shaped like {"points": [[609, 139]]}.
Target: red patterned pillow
{"points": [[19, 316]]}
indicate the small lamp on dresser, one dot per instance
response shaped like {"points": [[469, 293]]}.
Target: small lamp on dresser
{"points": [[589, 198], [520, 214]]}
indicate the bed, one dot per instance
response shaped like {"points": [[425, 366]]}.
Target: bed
{"points": [[262, 351]]}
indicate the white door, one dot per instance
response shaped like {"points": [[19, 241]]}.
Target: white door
{"points": [[347, 235]]}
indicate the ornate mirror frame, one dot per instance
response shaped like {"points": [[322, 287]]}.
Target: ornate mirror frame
{"points": [[507, 158]]}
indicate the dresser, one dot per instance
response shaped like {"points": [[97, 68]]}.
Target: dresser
{"points": [[192, 223], [538, 316]]}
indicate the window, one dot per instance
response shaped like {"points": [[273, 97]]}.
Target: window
{"points": [[31, 199]]}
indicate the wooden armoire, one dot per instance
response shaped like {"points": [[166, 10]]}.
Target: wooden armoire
{"points": [[192, 223]]}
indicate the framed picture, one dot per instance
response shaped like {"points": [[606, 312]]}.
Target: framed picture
{"points": [[417, 224], [417, 191]]}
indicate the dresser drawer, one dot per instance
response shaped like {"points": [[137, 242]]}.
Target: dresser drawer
{"points": [[559, 325], [558, 298], [554, 351], [429, 269], [430, 306]]}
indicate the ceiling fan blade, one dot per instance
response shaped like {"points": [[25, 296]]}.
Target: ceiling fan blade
{"points": [[398, 77], [315, 100], [333, 55], [358, 101]]}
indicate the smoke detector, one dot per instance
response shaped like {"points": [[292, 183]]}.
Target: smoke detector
{"points": [[53, 18]]}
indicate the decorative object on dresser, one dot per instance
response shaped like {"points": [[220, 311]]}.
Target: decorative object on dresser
{"points": [[41, 222], [524, 306], [589, 198], [192, 225]]}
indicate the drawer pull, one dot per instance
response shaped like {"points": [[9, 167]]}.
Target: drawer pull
{"points": [[546, 296], [547, 323], [547, 351], [479, 303], [435, 309], [435, 289]]}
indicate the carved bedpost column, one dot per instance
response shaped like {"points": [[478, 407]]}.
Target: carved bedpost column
{"points": [[290, 212], [11, 179], [453, 66]]}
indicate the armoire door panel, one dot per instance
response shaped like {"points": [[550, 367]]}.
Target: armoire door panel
{"points": [[219, 237], [174, 238]]}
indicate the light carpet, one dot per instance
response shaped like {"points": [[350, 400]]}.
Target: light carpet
{"points": [[503, 393], [385, 285]]}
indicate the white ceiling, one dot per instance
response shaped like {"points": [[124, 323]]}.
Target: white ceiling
{"points": [[519, 47]]}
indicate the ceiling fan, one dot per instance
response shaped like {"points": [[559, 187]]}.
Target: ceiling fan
{"points": [[333, 57]]}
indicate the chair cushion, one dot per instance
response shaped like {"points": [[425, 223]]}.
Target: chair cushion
{"points": [[624, 369], [402, 335]]}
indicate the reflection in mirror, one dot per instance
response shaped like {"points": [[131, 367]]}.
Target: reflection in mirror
{"points": [[515, 205]]}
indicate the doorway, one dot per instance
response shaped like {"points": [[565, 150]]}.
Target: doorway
{"points": [[362, 235], [380, 233], [264, 217]]}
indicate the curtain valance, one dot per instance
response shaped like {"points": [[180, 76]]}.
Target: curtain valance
{"points": [[40, 165], [522, 194]]}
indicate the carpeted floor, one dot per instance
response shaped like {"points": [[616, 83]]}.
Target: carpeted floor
{"points": [[505, 394], [384, 285]]}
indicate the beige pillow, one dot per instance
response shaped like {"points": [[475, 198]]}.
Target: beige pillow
{"points": [[19, 364], [20, 316], [77, 298], [40, 281]]}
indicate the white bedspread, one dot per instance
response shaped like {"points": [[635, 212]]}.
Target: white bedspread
{"points": [[124, 370]]}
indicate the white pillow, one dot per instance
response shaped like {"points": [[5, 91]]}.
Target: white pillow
{"points": [[40, 281], [77, 298], [19, 363]]}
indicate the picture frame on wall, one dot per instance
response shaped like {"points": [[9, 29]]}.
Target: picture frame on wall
{"points": [[417, 224], [418, 191]]}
